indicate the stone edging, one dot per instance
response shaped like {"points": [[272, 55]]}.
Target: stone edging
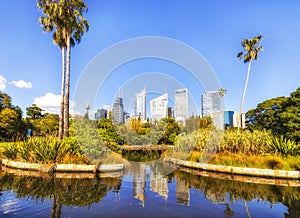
{"points": [[284, 174], [62, 167]]}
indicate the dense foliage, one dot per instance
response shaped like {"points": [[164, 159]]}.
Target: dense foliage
{"points": [[45, 150], [280, 115], [12, 126]]}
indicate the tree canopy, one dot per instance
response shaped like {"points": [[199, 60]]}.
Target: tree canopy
{"points": [[281, 115]]}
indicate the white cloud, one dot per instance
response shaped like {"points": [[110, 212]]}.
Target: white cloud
{"points": [[2, 83], [22, 84], [50, 103]]}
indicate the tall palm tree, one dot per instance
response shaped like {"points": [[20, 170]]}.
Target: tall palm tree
{"points": [[251, 49], [73, 26], [49, 22], [70, 25]]}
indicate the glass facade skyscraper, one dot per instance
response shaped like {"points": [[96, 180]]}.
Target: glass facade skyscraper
{"points": [[181, 105], [118, 111], [140, 105], [211, 102], [159, 107]]}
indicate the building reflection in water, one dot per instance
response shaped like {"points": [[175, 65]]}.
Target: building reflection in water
{"points": [[182, 192], [142, 173], [139, 177]]}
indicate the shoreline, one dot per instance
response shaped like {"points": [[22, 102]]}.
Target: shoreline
{"points": [[255, 172], [278, 177], [73, 168]]}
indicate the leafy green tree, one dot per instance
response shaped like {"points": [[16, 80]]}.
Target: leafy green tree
{"points": [[108, 133], [12, 126], [34, 112], [196, 122], [5, 101], [41, 124], [65, 16], [171, 130], [281, 115], [266, 115], [250, 53]]}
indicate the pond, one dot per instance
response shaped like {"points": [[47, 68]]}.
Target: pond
{"points": [[142, 192]]}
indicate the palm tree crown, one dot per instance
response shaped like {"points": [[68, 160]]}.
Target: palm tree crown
{"points": [[251, 49]]}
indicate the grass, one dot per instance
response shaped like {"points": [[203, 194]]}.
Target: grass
{"points": [[44, 150], [277, 162]]}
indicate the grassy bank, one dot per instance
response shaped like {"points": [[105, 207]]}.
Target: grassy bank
{"points": [[44, 150], [258, 149], [277, 162]]}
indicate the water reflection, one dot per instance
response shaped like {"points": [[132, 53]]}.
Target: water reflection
{"points": [[182, 188]]}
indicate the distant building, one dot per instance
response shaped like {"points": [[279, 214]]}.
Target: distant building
{"points": [[170, 112], [223, 119], [218, 119], [228, 119], [126, 117], [211, 102], [140, 105], [159, 107], [239, 120], [118, 111], [108, 109], [181, 105], [101, 113], [212, 105]]}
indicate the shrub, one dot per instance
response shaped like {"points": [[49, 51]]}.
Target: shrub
{"points": [[283, 146], [10, 151]]}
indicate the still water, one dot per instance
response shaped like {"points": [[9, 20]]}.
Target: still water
{"points": [[138, 192]]}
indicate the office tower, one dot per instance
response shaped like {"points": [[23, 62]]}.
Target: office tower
{"points": [[181, 105], [212, 105], [170, 112], [239, 120], [101, 113], [159, 107], [228, 119], [211, 102], [117, 111], [108, 109], [140, 105]]}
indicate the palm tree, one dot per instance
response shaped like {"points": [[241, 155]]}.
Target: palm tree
{"points": [[66, 17], [73, 26], [48, 22], [250, 53]]}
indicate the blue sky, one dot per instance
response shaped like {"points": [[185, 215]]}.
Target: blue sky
{"points": [[30, 64]]}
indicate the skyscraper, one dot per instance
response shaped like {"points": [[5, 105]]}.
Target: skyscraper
{"points": [[212, 105], [181, 105], [211, 102], [117, 111], [140, 105], [159, 107]]}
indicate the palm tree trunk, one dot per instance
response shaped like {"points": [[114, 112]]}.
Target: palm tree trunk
{"points": [[67, 94], [62, 102], [243, 97]]}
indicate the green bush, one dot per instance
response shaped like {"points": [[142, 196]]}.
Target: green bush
{"points": [[10, 151], [285, 147], [46, 150]]}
